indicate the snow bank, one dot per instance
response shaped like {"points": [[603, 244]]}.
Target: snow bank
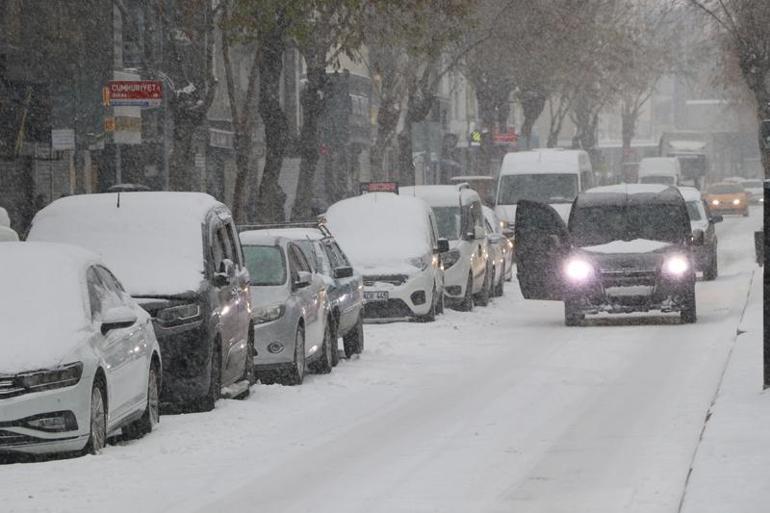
{"points": [[152, 241], [381, 231], [43, 303]]}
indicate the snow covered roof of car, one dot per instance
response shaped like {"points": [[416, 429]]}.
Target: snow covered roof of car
{"points": [[152, 241], [441, 195], [43, 303], [623, 194], [381, 230], [261, 238], [292, 233]]}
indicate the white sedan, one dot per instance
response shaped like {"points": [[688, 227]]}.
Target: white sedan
{"points": [[80, 359]]}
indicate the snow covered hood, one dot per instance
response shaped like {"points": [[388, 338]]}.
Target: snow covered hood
{"points": [[43, 304], [152, 241], [624, 247]]}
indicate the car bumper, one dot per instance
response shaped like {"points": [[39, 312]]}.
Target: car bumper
{"points": [[456, 280], [186, 354], [663, 296], [412, 298], [282, 331], [15, 437]]}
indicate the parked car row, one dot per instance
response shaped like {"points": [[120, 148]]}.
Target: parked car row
{"points": [[157, 301]]}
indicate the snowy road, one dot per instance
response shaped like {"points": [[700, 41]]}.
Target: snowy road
{"points": [[501, 410]]}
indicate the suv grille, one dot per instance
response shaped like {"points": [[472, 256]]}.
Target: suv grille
{"points": [[10, 438], [8, 388], [627, 278], [393, 279]]}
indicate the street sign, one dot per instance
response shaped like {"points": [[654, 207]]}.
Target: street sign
{"points": [[367, 187], [135, 93], [509, 137], [63, 139], [475, 138]]}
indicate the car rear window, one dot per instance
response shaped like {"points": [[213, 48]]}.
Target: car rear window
{"points": [[266, 265], [601, 224]]}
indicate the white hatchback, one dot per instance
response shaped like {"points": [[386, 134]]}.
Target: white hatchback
{"points": [[80, 359]]}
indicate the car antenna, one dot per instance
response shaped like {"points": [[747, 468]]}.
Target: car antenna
{"points": [[118, 199]]}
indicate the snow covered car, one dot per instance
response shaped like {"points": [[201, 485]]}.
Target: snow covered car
{"points": [[756, 189], [499, 243], [627, 248], [344, 285], [80, 359], [706, 260], [467, 269], [7, 234], [727, 198], [393, 241], [179, 256], [290, 310]]}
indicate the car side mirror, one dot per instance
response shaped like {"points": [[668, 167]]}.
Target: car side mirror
{"points": [[443, 246], [716, 218], [479, 233], [117, 318], [304, 279], [343, 272], [698, 238], [224, 276]]}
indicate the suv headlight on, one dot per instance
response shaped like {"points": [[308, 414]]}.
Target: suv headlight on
{"points": [[450, 258], [64, 376], [181, 314], [578, 270], [736, 201], [268, 313], [676, 266]]}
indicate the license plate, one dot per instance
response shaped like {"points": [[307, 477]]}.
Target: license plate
{"points": [[376, 296]]}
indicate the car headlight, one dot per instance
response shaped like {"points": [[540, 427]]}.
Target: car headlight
{"points": [[421, 263], [736, 201], [179, 314], [715, 202], [450, 258], [64, 376], [268, 313], [676, 266], [578, 270]]}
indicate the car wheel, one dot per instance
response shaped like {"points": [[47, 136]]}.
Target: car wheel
{"points": [[353, 342], [151, 416], [711, 271], [249, 374], [98, 421], [335, 344], [689, 313], [500, 287], [572, 314], [324, 364], [215, 382], [440, 303], [483, 297], [296, 375], [746, 213], [467, 303]]}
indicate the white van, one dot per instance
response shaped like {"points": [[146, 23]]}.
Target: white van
{"points": [[460, 220], [550, 176], [392, 240], [662, 170]]}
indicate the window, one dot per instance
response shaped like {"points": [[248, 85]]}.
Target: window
{"points": [[545, 188], [220, 249], [234, 242], [448, 220], [266, 265], [693, 208], [104, 291]]}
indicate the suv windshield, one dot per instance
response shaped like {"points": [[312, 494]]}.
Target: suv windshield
{"points": [[448, 221], [544, 188], [595, 225], [266, 265]]}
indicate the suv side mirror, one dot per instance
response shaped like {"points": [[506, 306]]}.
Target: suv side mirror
{"points": [[225, 274], [343, 272], [443, 246], [303, 280], [117, 318], [716, 218], [698, 238]]}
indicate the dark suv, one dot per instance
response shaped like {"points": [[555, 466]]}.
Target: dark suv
{"points": [[627, 248], [178, 255]]}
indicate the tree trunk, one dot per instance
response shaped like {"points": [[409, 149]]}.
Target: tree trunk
{"points": [[183, 175], [312, 105], [387, 122], [558, 116], [532, 105], [270, 197], [419, 105]]}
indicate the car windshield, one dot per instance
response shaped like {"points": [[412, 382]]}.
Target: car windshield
{"points": [[665, 180], [595, 225], [725, 188], [266, 265], [448, 220], [693, 208], [545, 188]]}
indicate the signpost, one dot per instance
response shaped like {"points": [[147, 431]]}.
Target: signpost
{"points": [[135, 93], [367, 187]]}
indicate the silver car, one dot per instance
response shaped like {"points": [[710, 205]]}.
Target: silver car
{"points": [[289, 308]]}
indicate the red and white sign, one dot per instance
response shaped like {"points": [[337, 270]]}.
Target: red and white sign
{"points": [[508, 137], [367, 187], [135, 93]]}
